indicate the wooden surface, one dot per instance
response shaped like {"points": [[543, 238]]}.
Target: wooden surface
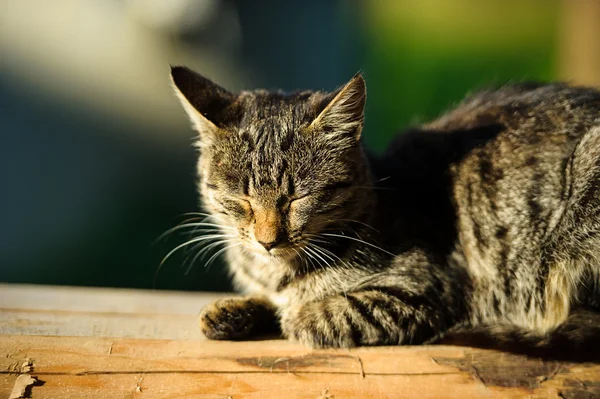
{"points": [[59, 342], [103, 312]]}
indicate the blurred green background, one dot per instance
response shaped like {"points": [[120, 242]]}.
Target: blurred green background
{"points": [[96, 158]]}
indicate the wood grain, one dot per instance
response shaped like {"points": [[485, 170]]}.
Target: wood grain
{"points": [[120, 368], [105, 300], [229, 386], [94, 343], [105, 312], [7, 382]]}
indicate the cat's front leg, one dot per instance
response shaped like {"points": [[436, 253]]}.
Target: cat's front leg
{"points": [[367, 317], [237, 318]]}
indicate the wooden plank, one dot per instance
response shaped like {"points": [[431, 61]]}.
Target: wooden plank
{"points": [[98, 355], [7, 382], [60, 323], [113, 368], [99, 363], [252, 386], [106, 300], [104, 312]]}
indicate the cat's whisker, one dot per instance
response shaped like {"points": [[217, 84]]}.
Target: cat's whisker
{"points": [[196, 227], [360, 241], [198, 239], [317, 238], [197, 232], [196, 218], [201, 248], [309, 257], [202, 224], [193, 220], [359, 222], [336, 268], [322, 262], [192, 225], [315, 250], [299, 255], [205, 217], [329, 254], [336, 260], [347, 226], [204, 214], [375, 188], [219, 252], [204, 251], [382, 179]]}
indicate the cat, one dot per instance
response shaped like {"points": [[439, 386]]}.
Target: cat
{"points": [[483, 223]]}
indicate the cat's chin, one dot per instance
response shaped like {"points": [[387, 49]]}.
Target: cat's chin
{"points": [[284, 255]]}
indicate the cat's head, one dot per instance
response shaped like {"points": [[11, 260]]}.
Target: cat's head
{"points": [[278, 170]]}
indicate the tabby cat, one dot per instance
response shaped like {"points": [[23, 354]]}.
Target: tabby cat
{"points": [[484, 222]]}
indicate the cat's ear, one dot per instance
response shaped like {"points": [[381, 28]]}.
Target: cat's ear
{"points": [[344, 112], [207, 104]]}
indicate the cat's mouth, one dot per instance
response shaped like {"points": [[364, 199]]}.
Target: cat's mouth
{"points": [[284, 251]]}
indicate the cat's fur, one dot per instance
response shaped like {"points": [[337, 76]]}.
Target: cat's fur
{"points": [[484, 221]]}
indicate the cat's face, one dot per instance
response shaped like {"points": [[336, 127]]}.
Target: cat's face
{"points": [[277, 170]]}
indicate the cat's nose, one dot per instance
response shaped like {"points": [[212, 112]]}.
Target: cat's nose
{"points": [[270, 245], [268, 230]]}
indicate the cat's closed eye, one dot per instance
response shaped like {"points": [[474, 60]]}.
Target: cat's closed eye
{"points": [[300, 199], [235, 205]]}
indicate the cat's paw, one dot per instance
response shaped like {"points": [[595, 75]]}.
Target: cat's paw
{"points": [[231, 318], [321, 324]]}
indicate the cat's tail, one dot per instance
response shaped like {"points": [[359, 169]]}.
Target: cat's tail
{"points": [[577, 339]]}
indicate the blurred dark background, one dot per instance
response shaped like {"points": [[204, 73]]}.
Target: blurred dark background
{"points": [[95, 152]]}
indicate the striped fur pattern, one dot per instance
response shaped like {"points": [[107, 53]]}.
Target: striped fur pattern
{"points": [[486, 218]]}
